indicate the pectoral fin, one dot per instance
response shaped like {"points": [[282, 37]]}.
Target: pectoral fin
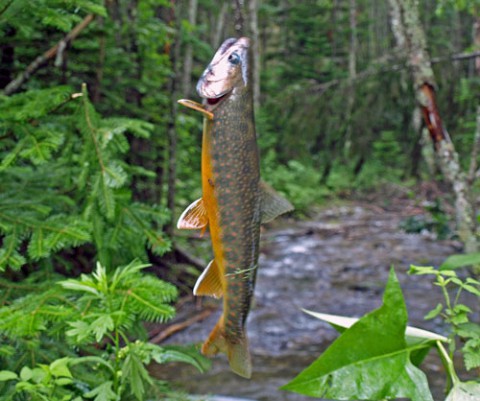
{"points": [[196, 106], [209, 283], [194, 217], [273, 204]]}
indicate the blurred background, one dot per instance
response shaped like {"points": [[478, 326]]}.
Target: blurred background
{"points": [[367, 115]]}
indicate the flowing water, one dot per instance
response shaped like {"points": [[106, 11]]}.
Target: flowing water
{"points": [[338, 264]]}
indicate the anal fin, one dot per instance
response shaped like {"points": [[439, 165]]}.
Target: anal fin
{"points": [[209, 283]]}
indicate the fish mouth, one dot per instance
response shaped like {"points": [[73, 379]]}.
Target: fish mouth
{"points": [[214, 101]]}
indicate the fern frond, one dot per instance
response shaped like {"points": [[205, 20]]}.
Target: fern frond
{"points": [[143, 218], [59, 18], [33, 313], [33, 104], [9, 255], [40, 144], [117, 126], [55, 233], [105, 196], [114, 175]]}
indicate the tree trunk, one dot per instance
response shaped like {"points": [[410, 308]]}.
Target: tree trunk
{"points": [[7, 57], [476, 41], [239, 17], [255, 41], [188, 58], [172, 131], [408, 30], [352, 74], [352, 59], [218, 34]]}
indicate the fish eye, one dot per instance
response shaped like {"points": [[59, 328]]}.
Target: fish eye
{"points": [[234, 58]]}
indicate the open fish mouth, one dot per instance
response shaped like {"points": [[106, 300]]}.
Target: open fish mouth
{"points": [[213, 101]]}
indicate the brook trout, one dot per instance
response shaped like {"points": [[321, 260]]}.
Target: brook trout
{"points": [[234, 201]]}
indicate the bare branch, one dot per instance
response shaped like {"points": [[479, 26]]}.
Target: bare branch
{"points": [[380, 66], [8, 4], [41, 60]]}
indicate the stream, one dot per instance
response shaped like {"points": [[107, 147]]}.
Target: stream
{"points": [[337, 263]]}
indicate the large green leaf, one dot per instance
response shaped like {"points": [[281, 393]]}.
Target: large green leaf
{"points": [[342, 322], [456, 261], [103, 392], [464, 391], [370, 360], [6, 375], [413, 335], [181, 354]]}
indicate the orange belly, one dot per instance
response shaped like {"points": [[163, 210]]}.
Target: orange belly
{"points": [[210, 201]]}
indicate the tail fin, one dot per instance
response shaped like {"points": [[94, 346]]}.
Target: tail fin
{"points": [[237, 352]]}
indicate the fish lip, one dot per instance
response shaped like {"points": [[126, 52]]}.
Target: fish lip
{"points": [[202, 88], [212, 102]]}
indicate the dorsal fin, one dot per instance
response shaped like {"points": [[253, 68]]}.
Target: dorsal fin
{"points": [[209, 283], [273, 204]]}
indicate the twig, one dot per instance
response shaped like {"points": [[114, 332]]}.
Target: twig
{"points": [[6, 7], [15, 85], [175, 328], [459, 56], [380, 67]]}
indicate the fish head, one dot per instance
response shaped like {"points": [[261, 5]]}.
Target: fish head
{"points": [[227, 73]]}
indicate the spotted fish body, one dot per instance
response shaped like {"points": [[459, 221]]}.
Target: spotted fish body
{"points": [[234, 201]]}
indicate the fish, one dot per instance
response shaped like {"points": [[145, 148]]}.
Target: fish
{"points": [[234, 202]]}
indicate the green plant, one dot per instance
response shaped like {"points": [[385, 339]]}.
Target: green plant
{"points": [[455, 313], [66, 183], [378, 357], [299, 182], [437, 221], [102, 309]]}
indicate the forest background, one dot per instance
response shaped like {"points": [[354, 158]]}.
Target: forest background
{"points": [[97, 160]]}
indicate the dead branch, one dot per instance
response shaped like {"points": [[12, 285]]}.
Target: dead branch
{"points": [[8, 4], [175, 328], [41, 60], [381, 66]]}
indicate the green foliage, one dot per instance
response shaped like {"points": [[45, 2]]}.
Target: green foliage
{"points": [[437, 221], [453, 311], [103, 309], [299, 182], [106, 304], [370, 360], [49, 13], [378, 357], [65, 181], [471, 6]]}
